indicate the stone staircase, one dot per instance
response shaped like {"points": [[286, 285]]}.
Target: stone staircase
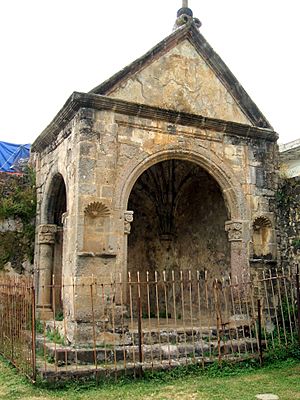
{"points": [[161, 348]]}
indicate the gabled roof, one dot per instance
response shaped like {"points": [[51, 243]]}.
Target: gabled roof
{"points": [[190, 32]]}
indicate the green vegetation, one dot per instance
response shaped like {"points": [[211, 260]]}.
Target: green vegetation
{"points": [[51, 335], [296, 244], [55, 337], [18, 201], [229, 382]]}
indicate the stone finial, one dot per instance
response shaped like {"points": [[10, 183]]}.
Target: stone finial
{"points": [[185, 15], [46, 234], [234, 230], [128, 219]]}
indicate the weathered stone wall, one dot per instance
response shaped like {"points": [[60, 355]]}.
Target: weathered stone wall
{"points": [[181, 80], [17, 222], [288, 217]]}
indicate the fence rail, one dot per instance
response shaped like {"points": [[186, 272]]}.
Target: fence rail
{"points": [[146, 320]]}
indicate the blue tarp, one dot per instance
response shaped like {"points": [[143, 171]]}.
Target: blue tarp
{"points": [[13, 156]]}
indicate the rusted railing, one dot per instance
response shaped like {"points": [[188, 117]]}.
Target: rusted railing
{"points": [[17, 323], [152, 320], [146, 320]]}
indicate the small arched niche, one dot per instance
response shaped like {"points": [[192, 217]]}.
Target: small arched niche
{"points": [[96, 218], [262, 237]]}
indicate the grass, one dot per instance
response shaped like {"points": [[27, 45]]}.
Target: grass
{"points": [[281, 378]]}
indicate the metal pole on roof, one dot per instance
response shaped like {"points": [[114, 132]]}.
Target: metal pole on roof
{"points": [[185, 4]]}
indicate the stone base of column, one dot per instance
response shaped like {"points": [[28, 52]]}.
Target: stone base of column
{"points": [[44, 313]]}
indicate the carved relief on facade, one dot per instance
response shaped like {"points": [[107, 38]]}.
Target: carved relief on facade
{"points": [[234, 230], [46, 234], [128, 219], [96, 227], [96, 210], [262, 236]]}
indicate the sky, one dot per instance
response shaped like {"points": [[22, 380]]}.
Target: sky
{"points": [[50, 49]]}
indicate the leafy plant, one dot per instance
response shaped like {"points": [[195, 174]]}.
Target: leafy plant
{"points": [[55, 337], [59, 316], [39, 326]]}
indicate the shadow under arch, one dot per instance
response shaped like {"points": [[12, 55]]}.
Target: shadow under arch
{"points": [[54, 202], [237, 227], [232, 192], [155, 247]]}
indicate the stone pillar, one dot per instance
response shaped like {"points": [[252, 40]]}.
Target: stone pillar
{"points": [[46, 240], [239, 262], [128, 219]]}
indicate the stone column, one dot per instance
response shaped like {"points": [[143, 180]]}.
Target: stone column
{"points": [[46, 240], [128, 219], [239, 262]]}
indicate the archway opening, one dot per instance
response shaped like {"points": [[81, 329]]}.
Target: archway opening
{"points": [[179, 220], [57, 206]]}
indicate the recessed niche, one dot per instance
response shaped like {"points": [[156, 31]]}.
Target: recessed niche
{"points": [[262, 237], [96, 227]]}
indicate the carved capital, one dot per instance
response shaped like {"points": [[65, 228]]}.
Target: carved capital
{"points": [[128, 219], [46, 234], [234, 230], [64, 218]]}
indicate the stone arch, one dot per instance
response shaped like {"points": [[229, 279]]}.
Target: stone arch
{"points": [[51, 191], [238, 225], [224, 176]]}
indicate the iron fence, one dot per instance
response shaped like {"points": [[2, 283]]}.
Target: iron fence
{"points": [[158, 320], [17, 323], [145, 321]]}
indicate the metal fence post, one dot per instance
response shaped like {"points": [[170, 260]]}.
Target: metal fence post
{"points": [[259, 332], [139, 306], [33, 333], [298, 301]]}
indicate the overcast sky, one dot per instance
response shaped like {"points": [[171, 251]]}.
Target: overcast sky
{"points": [[50, 48]]}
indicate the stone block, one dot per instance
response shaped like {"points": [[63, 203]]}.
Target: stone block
{"points": [[107, 191]]}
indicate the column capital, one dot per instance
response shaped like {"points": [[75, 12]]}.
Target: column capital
{"points": [[46, 234], [234, 229], [128, 219]]}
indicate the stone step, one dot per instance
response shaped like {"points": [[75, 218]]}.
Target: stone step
{"points": [[182, 335], [66, 355], [52, 373]]}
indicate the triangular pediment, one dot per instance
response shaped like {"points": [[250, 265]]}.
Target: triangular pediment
{"points": [[184, 74]]}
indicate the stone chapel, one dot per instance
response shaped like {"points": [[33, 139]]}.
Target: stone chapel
{"points": [[167, 165]]}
